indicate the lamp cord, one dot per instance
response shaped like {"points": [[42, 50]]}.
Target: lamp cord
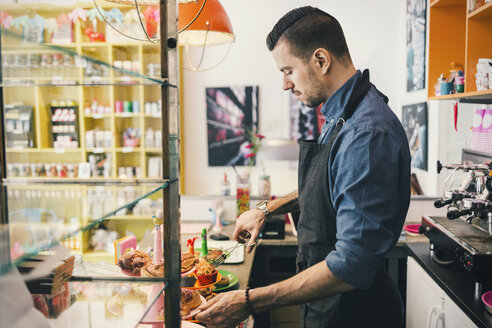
{"points": [[197, 69]]}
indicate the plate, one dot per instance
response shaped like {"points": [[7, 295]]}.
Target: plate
{"points": [[184, 274], [129, 273], [198, 286], [233, 280], [195, 310], [412, 228]]}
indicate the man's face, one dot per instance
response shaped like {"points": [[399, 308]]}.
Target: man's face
{"points": [[299, 75]]}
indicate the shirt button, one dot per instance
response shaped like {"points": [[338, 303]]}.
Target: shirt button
{"points": [[332, 120]]}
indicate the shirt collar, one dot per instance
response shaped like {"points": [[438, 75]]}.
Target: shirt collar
{"points": [[334, 106]]}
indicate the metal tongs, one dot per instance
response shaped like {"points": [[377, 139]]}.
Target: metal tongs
{"points": [[227, 252]]}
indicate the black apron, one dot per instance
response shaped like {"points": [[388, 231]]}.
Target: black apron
{"points": [[381, 306]]}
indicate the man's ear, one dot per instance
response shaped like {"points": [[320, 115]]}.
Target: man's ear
{"points": [[322, 59]]}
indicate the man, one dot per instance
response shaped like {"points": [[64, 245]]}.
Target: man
{"points": [[354, 190]]}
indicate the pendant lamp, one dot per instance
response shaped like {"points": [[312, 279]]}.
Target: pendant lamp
{"points": [[209, 27]]}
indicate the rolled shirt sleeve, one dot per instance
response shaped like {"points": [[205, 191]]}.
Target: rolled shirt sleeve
{"points": [[370, 180]]}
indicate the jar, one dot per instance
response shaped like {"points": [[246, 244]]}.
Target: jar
{"points": [[242, 194], [264, 186]]}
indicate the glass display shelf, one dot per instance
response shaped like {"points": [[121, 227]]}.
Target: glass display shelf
{"points": [[89, 221], [101, 304]]}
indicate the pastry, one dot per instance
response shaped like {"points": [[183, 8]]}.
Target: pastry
{"points": [[223, 282], [160, 314], [153, 270], [205, 272], [184, 310], [134, 261], [190, 298], [213, 254], [187, 261], [117, 301]]}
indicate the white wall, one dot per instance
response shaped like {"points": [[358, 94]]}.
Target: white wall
{"points": [[375, 32]]}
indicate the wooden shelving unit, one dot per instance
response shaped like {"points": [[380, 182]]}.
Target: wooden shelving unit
{"points": [[460, 36], [82, 90]]}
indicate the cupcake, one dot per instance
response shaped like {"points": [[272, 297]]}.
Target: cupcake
{"points": [[153, 270], [205, 272], [187, 262]]}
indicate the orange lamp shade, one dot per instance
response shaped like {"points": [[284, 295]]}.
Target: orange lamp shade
{"points": [[211, 27]]}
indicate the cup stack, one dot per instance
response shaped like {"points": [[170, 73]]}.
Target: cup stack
{"points": [[487, 127], [478, 139]]}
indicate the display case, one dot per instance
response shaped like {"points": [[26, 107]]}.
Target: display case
{"points": [[89, 155]]}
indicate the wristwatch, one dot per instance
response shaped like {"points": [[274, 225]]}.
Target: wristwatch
{"points": [[262, 206]]}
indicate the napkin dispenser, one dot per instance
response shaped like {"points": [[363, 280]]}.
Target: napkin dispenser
{"points": [[274, 228]]}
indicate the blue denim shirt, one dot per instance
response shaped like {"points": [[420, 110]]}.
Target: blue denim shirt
{"points": [[369, 184]]}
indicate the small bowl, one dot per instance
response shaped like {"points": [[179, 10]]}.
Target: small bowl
{"points": [[487, 300], [413, 229]]}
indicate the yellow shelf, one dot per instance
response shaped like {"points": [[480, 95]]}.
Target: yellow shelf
{"points": [[128, 149], [153, 150], [124, 115], [98, 116], [447, 3], [126, 218], [484, 11], [473, 94], [44, 150], [98, 256], [98, 150]]}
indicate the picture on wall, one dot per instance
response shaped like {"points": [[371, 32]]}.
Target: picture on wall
{"points": [[416, 25], [414, 120], [305, 122], [232, 118]]}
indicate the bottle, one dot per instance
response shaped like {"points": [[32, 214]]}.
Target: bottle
{"points": [[460, 82], [264, 186], [242, 194], [225, 186]]}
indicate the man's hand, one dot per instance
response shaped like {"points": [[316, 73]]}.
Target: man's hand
{"points": [[224, 310], [248, 226]]}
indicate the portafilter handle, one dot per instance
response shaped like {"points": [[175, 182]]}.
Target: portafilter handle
{"points": [[456, 214], [441, 203]]}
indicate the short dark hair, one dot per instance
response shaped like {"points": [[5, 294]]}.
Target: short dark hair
{"points": [[308, 28]]}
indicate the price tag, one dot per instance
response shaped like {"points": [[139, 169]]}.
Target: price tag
{"points": [[59, 150], [128, 149], [126, 114], [98, 150], [97, 116]]}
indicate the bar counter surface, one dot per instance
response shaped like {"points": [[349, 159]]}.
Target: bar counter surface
{"points": [[455, 282]]}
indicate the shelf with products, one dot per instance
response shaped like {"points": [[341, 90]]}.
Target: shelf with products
{"points": [[93, 81], [468, 50]]}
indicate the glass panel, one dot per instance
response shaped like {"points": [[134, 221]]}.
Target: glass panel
{"points": [[84, 153], [100, 304], [97, 223]]}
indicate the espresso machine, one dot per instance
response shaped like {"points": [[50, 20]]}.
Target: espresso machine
{"points": [[464, 235]]}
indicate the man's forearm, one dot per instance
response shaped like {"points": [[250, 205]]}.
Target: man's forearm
{"points": [[313, 283], [287, 204]]}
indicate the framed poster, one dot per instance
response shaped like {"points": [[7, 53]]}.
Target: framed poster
{"points": [[414, 120], [232, 120], [416, 31], [305, 122]]}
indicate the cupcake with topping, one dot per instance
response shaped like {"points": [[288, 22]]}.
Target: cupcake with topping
{"points": [[205, 272]]}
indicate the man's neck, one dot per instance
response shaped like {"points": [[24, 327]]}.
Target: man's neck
{"points": [[338, 76]]}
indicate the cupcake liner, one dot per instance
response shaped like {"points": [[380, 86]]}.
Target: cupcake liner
{"points": [[207, 279]]}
